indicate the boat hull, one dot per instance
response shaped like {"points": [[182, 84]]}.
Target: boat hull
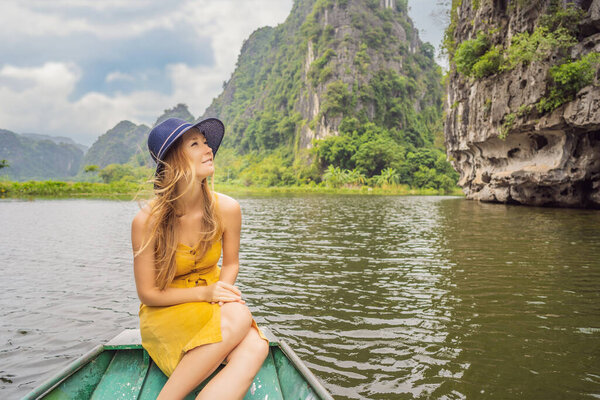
{"points": [[122, 369]]}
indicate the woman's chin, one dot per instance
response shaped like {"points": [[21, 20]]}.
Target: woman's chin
{"points": [[205, 173]]}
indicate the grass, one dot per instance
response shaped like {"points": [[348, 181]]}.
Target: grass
{"points": [[129, 191]]}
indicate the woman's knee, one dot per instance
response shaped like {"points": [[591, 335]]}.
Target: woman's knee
{"points": [[236, 319], [255, 345], [261, 347], [252, 350]]}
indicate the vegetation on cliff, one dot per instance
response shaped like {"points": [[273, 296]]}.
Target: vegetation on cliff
{"points": [[550, 41]]}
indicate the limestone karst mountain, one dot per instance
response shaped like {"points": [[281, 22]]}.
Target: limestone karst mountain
{"points": [[38, 156], [117, 145], [127, 141], [523, 109], [330, 61]]}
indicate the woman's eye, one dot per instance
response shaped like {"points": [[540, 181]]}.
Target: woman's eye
{"points": [[195, 143]]}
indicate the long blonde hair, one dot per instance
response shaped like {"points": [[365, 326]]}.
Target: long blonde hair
{"points": [[164, 211]]}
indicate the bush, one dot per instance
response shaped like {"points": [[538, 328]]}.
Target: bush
{"points": [[567, 79], [489, 64], [336, 100], [525, 47], [469, 52], [373, 156]]}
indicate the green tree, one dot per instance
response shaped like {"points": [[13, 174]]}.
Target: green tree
{"points": [[91, 168], [374, 156], [116, 172], [4, 164]]}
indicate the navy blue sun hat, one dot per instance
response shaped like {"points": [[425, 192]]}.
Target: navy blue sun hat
{"points": [[163, 135]]}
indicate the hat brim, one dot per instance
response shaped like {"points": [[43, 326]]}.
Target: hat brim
{"points": [[212, 129]]}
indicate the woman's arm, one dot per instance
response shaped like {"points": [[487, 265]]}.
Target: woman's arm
{"points": [[149, 294], [231, 216]]}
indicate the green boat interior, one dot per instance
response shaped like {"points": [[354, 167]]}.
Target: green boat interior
{"points": [[122, 369]]}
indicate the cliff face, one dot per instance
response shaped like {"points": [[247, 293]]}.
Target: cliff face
{"points": [[296, 82], [506, 144]]}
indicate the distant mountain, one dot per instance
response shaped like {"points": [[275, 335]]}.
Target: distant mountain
{"points": [[56, 139], [38, 158], [179, 111], [126, 142], [117, 145]]}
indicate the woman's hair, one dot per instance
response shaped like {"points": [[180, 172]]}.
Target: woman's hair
{"points": [[164, 210]]}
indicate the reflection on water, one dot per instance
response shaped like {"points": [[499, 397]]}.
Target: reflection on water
{"points": [[526, 283], [382, 297]]}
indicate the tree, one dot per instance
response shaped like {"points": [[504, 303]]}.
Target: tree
{"points": [[4, 164], [91, 168]]}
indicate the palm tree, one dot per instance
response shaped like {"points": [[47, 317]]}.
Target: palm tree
{"points": [[335, 176], [387, 177], [356, 177]]}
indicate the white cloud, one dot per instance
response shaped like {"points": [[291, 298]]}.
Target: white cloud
{"points": [[40, 98], [119, 76], [45, 107]]}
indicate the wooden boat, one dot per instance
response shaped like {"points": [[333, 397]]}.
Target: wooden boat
{"points": [[122, 369]]}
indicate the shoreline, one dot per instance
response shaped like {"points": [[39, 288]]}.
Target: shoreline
{"points": [[131, 191]]}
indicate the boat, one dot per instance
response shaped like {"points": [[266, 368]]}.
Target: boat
{"points": [[122, 369]]}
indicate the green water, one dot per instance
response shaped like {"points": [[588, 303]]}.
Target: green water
{"points": [[382, 297]]}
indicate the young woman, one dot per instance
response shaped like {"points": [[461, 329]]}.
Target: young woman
{"points": [[192, 317]]}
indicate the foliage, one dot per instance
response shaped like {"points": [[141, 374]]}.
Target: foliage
{"points": [[469, 52], [336, 100], [60, 188], [377, 154], [555, 34], [4, 164], [567, 79], [124, 173], [91, 168], [374, 155], [362, 59], [509, 121], [489, 63], [525, 47], [272, 170], [449, 43], [315, 72], [560, 17]]}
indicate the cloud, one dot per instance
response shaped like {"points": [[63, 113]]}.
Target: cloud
{"points": [[118, 76], [77, 68]]}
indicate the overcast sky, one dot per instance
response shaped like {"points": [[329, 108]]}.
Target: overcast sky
{"points": [[76, 68]]}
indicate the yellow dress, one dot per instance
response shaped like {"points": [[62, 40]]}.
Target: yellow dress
{"points": [[168, 332]]}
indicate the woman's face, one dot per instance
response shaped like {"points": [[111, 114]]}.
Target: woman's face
{"points": [[198, 152]]}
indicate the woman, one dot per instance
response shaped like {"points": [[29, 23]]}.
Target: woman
{"points": [[192, 317]]}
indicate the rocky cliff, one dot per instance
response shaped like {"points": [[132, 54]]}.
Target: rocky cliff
{"points": [[329, 60], [523, 101]]}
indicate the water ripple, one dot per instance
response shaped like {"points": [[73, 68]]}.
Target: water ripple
{"points": [[382, 297]]}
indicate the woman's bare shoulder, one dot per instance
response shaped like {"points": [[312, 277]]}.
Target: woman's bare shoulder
{"points": [[142, 217], [228, 205]]}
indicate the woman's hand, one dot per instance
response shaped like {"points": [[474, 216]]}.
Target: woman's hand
{"points": [[223, 292]]}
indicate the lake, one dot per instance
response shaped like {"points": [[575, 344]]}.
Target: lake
{"points": [[382, 297]]}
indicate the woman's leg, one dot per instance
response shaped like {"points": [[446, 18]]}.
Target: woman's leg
{"points": [[244, 362], [198, 363]]}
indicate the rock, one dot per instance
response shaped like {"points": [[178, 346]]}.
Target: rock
{"points": [[545, 160]]}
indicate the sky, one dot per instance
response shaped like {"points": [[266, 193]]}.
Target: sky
{"points": [[76, 68]]}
